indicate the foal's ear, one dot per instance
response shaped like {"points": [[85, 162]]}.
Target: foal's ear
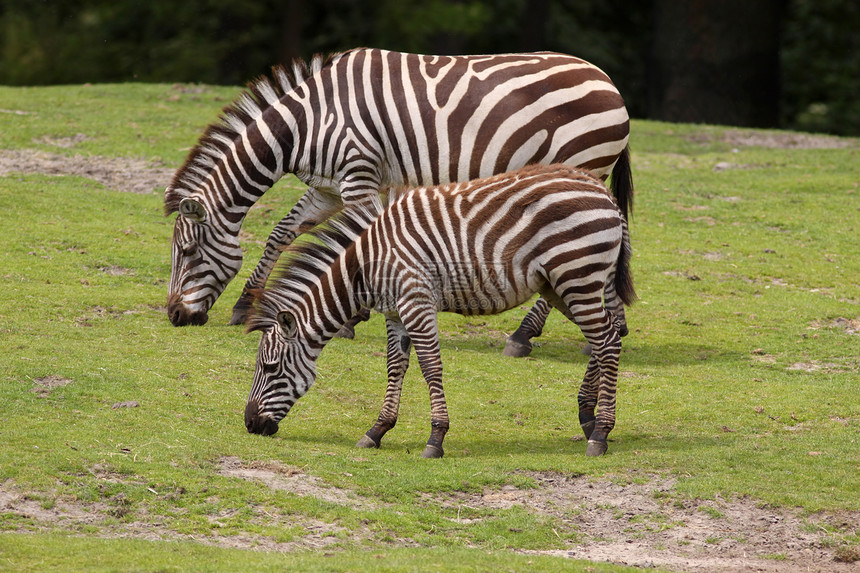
{"points": [[192, 209], [287, 322]]}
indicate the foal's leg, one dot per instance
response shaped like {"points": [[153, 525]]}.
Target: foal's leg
{"points": [[600, 375], [313, 208], [597, 393], [587, 397], [420, 321], [399, 346], [615, 306]]}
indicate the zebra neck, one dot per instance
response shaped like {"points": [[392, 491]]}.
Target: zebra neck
{"points": [[256, 159]]}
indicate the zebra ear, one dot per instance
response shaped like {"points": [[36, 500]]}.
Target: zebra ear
{"points": [[192, 209], [287, 322]]}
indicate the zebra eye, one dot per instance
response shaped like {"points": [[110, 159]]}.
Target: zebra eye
{"points": [[192, 210], [287, 321]]}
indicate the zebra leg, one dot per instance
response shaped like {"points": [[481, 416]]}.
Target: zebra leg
{"points": [[614, 305], [399, 346], [588, 397], [619, 319], [603, 370], [597, 393], [420, 322], [348, 329], [518, 344], [314, 207]]}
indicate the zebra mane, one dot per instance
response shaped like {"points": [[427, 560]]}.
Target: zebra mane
{"points": [[234, 119], [301, 263]]}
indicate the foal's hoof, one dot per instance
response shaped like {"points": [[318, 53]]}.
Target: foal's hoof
{"points": [[432, 452], [586, 350], [516, 349], [366, 442], [595, 448]]}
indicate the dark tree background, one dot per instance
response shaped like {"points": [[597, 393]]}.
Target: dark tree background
{"points": [[764, 63], [716, 59]]}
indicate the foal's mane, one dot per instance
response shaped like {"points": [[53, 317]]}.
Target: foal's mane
{"points": [[302, 262], [234, 119]]}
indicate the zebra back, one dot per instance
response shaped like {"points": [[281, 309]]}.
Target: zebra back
{"points": [[434, 230]]}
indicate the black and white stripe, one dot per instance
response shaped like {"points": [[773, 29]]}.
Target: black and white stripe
{"points": [[480, 247], [367, 120]]}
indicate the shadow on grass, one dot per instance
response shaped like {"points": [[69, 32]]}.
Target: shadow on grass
{"points": [[462, 443], [633, 353]]}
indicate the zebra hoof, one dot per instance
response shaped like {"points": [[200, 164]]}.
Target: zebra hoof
{"points": [[587, 428], [240, 314], [516, 349], [595, 448], [432, 452], [366, 442], [346, 331], [587, 350]]}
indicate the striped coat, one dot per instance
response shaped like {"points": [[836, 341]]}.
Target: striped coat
{"points": [[480, 247], [367, 120]]}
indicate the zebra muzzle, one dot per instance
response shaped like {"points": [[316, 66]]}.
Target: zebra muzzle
{"points": [[181, 315], [257, 424]]}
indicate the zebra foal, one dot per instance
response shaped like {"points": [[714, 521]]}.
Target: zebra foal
{"points": [[480, 247]]}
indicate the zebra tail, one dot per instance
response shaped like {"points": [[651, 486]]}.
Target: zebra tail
{"points": [[621, 183], [623, 278]]}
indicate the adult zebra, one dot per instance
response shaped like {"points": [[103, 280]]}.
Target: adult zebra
{"points": [[480, 247], [368, 119]]}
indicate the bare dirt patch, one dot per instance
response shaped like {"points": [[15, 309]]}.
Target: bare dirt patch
{"points": [[67, 516], [776, 139], [277, 476], [118, 173], [64, 142], [646, 525], [116, 271], [847, 325], [56, 513], [46, 384], [818, 366]]}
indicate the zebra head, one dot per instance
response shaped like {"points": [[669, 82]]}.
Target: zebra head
{"points": [[286, 368], [204, 258]]}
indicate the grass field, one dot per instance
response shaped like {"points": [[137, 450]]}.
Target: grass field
{"points": [[122, 444]]}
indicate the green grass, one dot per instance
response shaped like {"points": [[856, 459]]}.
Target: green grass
{"points": [[738, 377], [61, 553]]}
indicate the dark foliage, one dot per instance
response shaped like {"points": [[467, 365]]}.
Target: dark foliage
{"points": [[813, 43]]}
